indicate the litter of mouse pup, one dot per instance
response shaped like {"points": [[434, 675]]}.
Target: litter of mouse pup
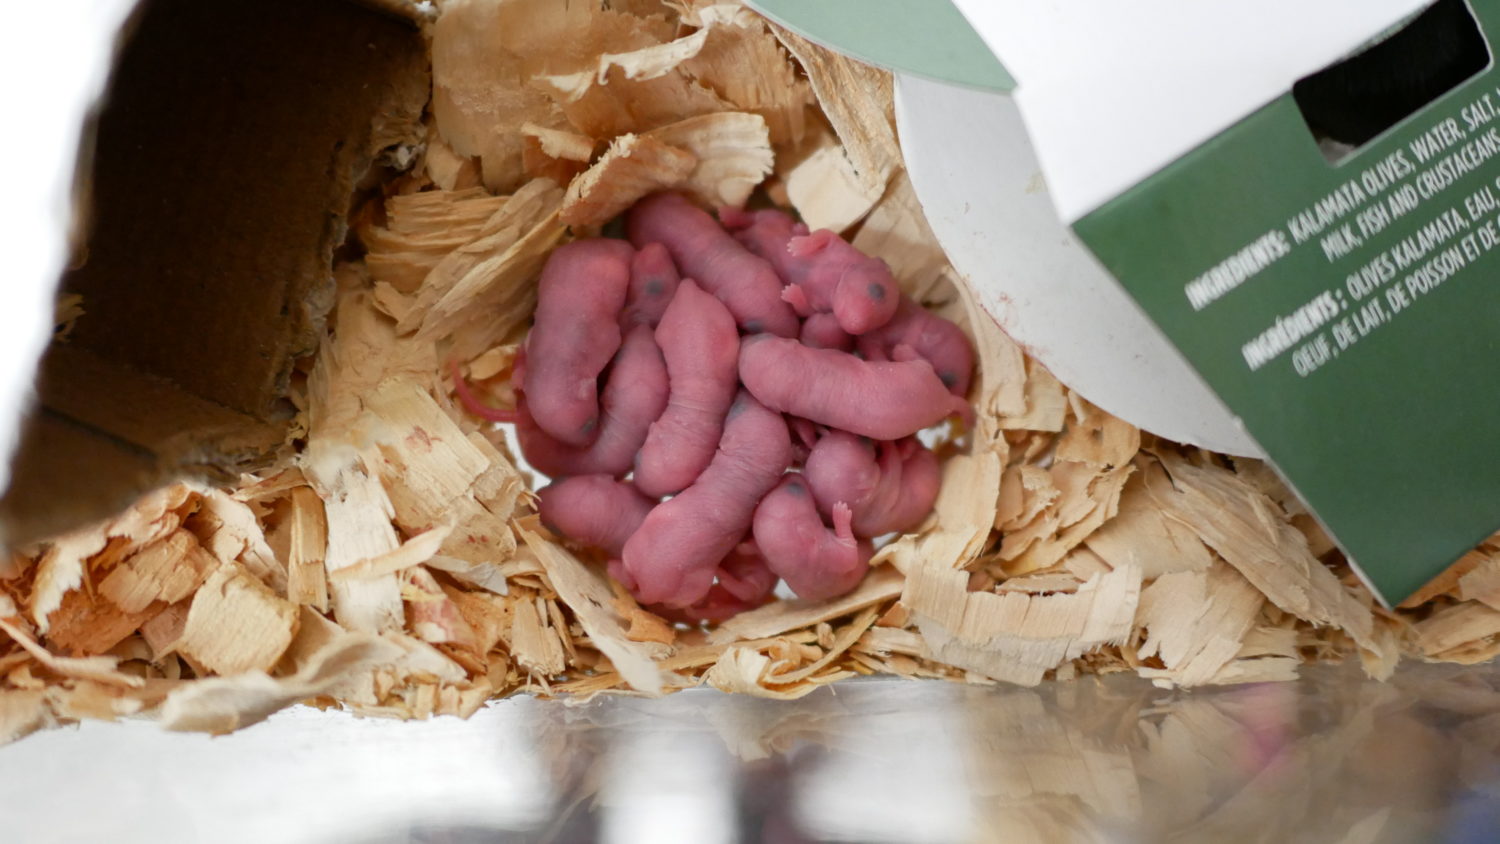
{"points": [[394, 563]]}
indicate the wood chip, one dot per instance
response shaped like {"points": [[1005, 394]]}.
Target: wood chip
{"points": [[826, 190], [1482, 582], [415, 551], [645, 626], [746, 66], [1237, 520], [530, 206], [536, 644], [21, 714], [420, 230], [1015, 637], [99, 668], [1197, 621], [229, 530], [1045, 400], [307, 581], [491, 301], [480, 50], [778, 618], [359, 528], [1086, 498], [61, 567], [1096, 438], [235, 624], [433, 616], [840, 642], [87, 624], [1455, 627], [733, 152], [446, 168], [857, 100], [633, 167], [223, 704], [651, 62], [560, 143], [742, 670], [591, 600], [1141, 534], [164, 631], [167, 570], [436, 475]]}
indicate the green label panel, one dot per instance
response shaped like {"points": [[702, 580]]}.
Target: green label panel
{"points": [[1348, 313]]}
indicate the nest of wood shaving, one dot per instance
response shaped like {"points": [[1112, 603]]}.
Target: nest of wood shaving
{"points": [[396, 566]]}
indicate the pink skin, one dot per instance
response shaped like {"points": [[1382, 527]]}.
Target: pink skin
{"points": [[701, 347], [743, 583], [472, 403], [815, 562], [824, 274], [745, 283], [822, 331], [916, 331], [594, 510], [889, 487], [635, 394], [672, 559], [883, 400], [575, 335], [653, 281]]}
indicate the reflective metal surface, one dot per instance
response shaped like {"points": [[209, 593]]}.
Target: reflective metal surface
{"points": [[1333, 758]]}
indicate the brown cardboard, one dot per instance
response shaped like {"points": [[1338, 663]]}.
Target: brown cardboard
{"points": [[233, 139]]}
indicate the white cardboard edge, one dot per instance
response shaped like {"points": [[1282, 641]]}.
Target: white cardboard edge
{"points": [[50, 78], [1113, 92], [978, 180]]}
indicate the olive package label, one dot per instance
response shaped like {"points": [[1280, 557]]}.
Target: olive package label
{"points": [[1321, 241]]}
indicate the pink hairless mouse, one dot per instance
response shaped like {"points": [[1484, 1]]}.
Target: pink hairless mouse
{"points": [[635, 394], [917, 332], [672, 558], [703, 251], [823, 273], [575, 334], [653, 281], [822, 331], [743, 583], [889, 486], [817, 563], [594, 510], [882, 400], [701, 348]]}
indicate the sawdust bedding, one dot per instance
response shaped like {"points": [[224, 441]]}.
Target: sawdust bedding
{"points": [[394, 564]]}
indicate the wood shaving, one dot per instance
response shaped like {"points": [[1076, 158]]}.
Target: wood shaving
{"points": [[307, 579], [856, 98], [590, 598], [633, 167], [167, 570], [523, 212], [1251, 533], [396, 565], [1142, 535], [1196, 621], [733, 151], [1017, 637], [826, 190], [745, 65], [560, 143], [235, 624], [420, 230], [415, 551]]}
